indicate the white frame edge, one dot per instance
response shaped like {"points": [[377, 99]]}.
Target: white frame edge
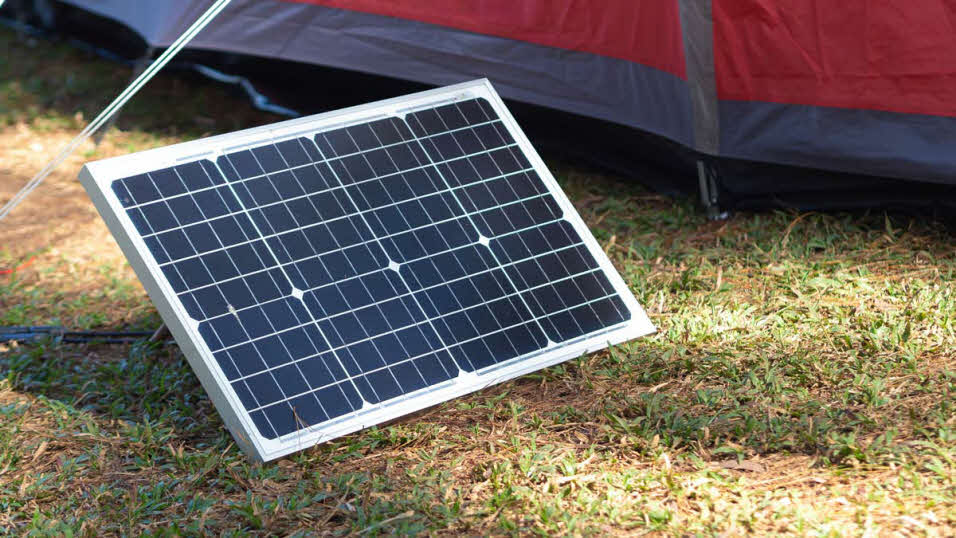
{"points": [[97, 177]]}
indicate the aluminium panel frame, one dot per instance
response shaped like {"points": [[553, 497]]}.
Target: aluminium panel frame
{"points": [[98, 176]]}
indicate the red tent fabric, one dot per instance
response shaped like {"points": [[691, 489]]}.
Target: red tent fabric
{"points": [[644, 32], [889, 56]]}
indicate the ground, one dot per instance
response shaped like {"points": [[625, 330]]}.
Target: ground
{"points": [[802, 379]]}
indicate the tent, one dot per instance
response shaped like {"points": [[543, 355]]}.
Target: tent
{"points": [[752, 93]]}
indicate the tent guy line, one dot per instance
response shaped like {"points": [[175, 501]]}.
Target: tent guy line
{"points": [[115, 106]]}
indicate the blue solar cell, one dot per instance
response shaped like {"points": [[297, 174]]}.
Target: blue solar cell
{"points": [[141, 189], [265, 388], [245, 358], [307, 411], [245, 395], [312, 179], [158, 216], [175, 244], [201, 238], [337, 142], [339, 399], [122, 193], [273, 350], [167, 181], [293, 153], [384, 383], [268, 159], [435, 368], [369, 262], [281, 417], [240, 165], [318, 370]]}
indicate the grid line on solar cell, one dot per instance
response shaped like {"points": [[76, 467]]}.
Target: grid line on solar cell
{"points": [[246, 212], [368, 262], [307, 196], [455, 197], [253, 395], [311, 390], [415, 357], [516, 157], [556, 251], [442, 157], [418, 305], [125, 201], [412, 325], [314, 320], [293, 231], [189, 291]]}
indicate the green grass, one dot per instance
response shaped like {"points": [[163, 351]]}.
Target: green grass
{"points": [[803, 380]]}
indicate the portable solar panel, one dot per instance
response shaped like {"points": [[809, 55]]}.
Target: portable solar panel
{"points": [[326, 274]]}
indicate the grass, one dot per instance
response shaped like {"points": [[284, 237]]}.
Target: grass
{"points": [[803, 379]]}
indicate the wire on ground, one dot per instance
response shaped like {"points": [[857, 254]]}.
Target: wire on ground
{"points": [[41, 332]]}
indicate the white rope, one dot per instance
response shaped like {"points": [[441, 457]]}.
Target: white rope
{"points": [[118, 103]]}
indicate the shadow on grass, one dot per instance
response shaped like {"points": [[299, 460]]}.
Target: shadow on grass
{"points": [[638, 398]]}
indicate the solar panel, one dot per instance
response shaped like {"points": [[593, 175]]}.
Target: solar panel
{"points": [[330, 273]]}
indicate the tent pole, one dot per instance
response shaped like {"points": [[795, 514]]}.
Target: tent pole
{"points": [[138, 69], [118, 103]]}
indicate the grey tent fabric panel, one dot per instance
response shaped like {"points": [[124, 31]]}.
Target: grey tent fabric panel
{"points": [[872, 142], [582, 83], [159, 24], [697, 27]]}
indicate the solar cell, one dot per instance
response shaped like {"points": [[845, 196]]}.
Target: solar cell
{"points": [[329, 273]]}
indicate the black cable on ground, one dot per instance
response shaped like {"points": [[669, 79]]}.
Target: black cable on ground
{"points": [[41, 332]]}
